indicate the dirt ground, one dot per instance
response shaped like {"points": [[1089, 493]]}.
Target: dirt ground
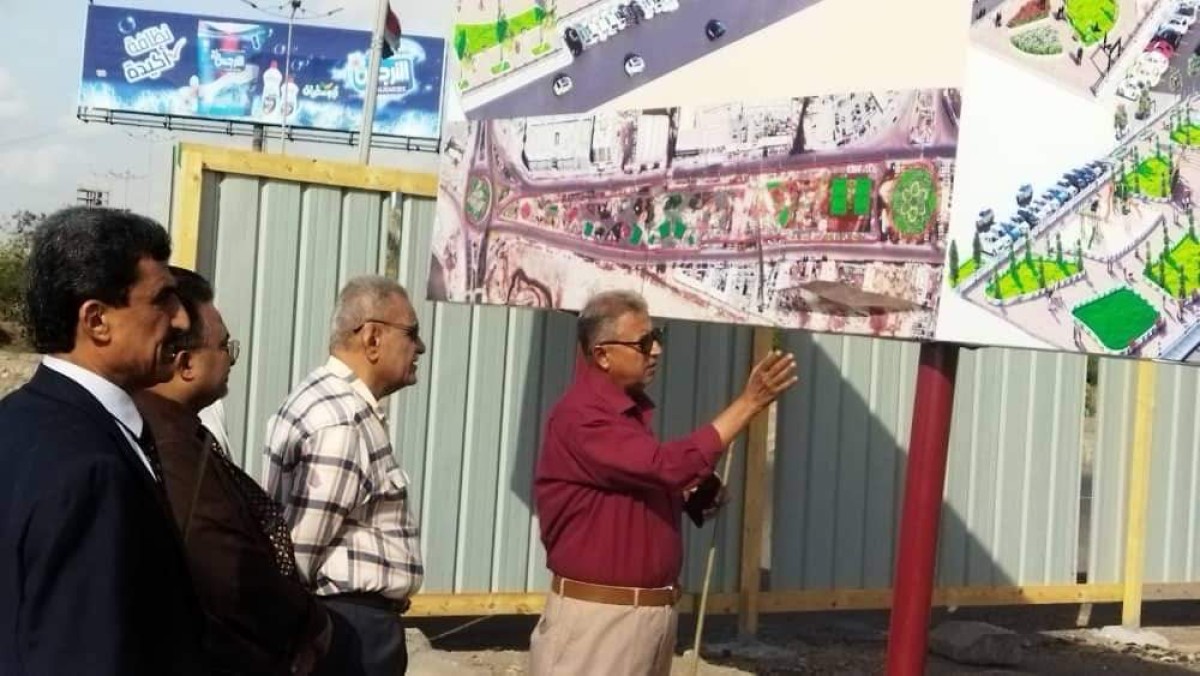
{"points": [[850, 643]]}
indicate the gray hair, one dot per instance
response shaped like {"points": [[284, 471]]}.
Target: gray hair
{"points": [[598, 319], [360, 300]]}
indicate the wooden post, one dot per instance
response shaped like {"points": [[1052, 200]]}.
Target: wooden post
{"points": [[1139, 495], [185, 218], [753, 503], [764, 338]]}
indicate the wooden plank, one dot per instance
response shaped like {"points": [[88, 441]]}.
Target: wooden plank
{"points": [[307, 170], [753, 502], [468, 605], [185, 225], [1139, 491]]}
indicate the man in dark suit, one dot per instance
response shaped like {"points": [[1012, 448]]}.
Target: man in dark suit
{"points": [[92, 574], [261, 618]]}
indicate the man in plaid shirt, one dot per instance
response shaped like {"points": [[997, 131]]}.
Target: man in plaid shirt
{"points": [[330, 464]]}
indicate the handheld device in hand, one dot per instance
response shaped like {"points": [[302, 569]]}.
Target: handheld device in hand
{"points": [[702, 498]]}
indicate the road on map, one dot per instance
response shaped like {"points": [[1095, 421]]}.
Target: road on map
{"points": [[665, 42], [1187, 46]]}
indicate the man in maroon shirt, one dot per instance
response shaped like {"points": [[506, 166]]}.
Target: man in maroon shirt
{"points": [[610, 497]]}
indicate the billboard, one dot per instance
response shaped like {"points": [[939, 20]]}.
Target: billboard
{"points": [[205, 67], [825, 213]]}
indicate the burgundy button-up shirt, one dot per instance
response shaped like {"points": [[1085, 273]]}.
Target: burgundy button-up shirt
{"points": [[609, 495]]}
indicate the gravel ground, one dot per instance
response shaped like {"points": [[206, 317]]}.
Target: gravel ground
{"points": [[15, 369], [847, 643]]}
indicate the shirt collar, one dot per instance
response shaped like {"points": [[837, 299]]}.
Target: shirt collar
{"points": [[339, 368], [115, 400], [609, 394]]}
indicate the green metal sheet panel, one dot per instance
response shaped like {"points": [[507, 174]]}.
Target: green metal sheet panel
{"points": [[1012, 470], [316, 277], [237, 222], [274, 317]]}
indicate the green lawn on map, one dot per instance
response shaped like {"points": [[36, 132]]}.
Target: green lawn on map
{"points": [[1117, 318], [913, 201], [1184, 260], [1026, 280], [635, 237], [1151, 177], [838, 188], [1091, 19], [1187, 134], [862, 195], [482, 36], [965, 270]]}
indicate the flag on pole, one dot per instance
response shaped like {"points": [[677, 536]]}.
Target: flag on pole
{"points": [[391, 34]]}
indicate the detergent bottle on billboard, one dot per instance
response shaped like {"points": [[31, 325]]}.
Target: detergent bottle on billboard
{"points": [[227, 76], [272, 88], [291, 94]]}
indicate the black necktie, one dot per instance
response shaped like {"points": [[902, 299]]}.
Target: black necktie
{"points": [[146, 441]]}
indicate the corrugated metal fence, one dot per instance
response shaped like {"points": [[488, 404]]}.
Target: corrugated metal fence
{"points": [[278, 250]]}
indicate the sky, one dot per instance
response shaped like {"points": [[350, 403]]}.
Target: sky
{"points": [[46, 153]]}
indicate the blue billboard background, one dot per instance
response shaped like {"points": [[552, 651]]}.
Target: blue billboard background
{"points": [[224, 69]]}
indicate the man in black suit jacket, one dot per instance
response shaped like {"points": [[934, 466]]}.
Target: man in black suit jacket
{"points": [[92, 574]]}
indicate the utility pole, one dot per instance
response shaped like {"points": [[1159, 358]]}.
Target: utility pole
{"points": [[368, 121], [287, 78], [296, 6]]}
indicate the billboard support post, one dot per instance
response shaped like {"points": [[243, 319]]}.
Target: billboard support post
{"points": [[287, 75], [924, 482], [368, 119]]}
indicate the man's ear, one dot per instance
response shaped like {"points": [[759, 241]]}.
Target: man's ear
{"points": [[185, 365], [93, 321], [369, 338], [600, 358]]}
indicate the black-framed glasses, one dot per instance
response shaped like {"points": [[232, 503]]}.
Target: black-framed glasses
{"points": [[644, 344], [412, 332]]}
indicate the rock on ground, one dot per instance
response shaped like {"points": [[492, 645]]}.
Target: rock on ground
{"points": [[976, 643]]}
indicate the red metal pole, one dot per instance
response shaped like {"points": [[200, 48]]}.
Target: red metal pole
{"points": [[912, 589]]}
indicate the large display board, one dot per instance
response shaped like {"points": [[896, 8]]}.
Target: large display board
{"points": [[1042, 199], [213, 68]]}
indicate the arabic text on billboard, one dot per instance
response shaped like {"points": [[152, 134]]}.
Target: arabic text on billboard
{"points": [[185, 65]]}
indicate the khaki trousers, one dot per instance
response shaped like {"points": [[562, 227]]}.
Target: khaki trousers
{"points": [[582, 638]]}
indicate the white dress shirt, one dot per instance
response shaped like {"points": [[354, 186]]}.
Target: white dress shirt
{"points": [[116, 401], [213, 419]]}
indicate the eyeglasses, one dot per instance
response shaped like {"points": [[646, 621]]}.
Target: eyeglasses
{"points": [[234, 348], [410, 331], [644, 344]]}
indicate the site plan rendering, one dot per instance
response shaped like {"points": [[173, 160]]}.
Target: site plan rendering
{"points": [[518, 58], [1087, 46], [827, 213], [1107, 259]]}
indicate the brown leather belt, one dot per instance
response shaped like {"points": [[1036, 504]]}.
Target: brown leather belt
{"points": [[618, 596]]}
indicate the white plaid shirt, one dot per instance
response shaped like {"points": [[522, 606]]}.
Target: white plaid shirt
{"points": [[330, 464]]}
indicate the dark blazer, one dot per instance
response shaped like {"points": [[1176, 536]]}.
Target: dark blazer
{"points": [[257, 618], [92, 574]]}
